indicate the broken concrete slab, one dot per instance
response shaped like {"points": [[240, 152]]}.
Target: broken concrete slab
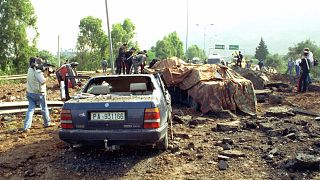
{"points": [[228, 126], [305, 112], [304, 162], [279, 112], [232, 153]]}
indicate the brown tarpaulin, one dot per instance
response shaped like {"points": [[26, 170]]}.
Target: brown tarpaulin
{"points": [[214, 87]]}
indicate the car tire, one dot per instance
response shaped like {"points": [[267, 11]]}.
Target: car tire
{"points": [[164, 143]]}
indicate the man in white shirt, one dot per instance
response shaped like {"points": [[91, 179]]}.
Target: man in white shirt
{"points": [[36, 93]]}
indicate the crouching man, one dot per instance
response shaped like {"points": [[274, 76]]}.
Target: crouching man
{"points": [[139, 61]]}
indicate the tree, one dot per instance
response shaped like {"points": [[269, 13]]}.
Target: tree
{"points": [[91, 43], [276, 61], [195, 51], [261, 50], [47, 56], [169, 46], [16, 17], [297, 50], [123, 33], [91, 37]]}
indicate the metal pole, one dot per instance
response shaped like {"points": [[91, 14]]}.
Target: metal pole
{"points": [[187, 27], [59, 60], [204, 40], [110, 40]]}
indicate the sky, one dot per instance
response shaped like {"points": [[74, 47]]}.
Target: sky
{"points": [[239, 22]]}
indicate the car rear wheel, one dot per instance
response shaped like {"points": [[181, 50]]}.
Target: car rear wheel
{"points": [[164, 143]]}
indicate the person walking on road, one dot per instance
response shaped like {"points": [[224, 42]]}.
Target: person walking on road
{"points": [[36, 93]]}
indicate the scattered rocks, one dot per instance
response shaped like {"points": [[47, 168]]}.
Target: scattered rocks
{"points": [[304, 162], [223, 165]]}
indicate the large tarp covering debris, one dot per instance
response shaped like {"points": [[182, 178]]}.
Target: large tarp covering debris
{"points": [[215, 87]]}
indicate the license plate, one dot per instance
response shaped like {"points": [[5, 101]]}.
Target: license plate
{"points": [[108, 116]]}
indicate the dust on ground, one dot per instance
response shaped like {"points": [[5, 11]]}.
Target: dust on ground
{"points": [[276, 144]]}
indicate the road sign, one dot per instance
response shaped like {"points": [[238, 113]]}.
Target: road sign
{"points": [[219, 46], [233, 47]]}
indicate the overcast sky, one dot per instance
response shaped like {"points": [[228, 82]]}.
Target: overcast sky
{"points": [[156, 18]]}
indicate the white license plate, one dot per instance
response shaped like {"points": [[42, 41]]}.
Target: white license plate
{"points": [[108, 116]]}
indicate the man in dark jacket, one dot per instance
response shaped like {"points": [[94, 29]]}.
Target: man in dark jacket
{"points": [[305, 68], [121, 59], [129, 55]]}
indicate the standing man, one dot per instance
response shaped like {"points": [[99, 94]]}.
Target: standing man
{"points": [[104, 65], [305, 68], [121, 59], [290, 66], [129, 55], [310, 57], [36, 93], [239, 59]]}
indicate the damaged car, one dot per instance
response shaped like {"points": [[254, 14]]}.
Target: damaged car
{"points": [[117, 110]]}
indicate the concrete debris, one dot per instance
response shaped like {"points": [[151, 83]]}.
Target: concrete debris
{"points": [[232, 153], [223, 165], [228, 126]]}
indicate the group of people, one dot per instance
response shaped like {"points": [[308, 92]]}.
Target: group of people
{"points": [[129, 59]]}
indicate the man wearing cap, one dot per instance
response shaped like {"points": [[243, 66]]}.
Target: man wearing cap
{"points": [[310, 57], [36, 93]]}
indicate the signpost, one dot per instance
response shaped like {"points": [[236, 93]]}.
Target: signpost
{"points": [[219, 46], [233, 47]]}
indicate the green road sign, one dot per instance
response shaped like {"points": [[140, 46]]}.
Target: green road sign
{"points": [[219, 46], [233, 47]]}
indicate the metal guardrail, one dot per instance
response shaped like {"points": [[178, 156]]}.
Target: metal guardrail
{"points": [[17, 107]]}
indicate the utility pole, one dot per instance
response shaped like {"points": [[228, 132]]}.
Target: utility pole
{"points": [[110, 41], [59, 60], [187, 26], [204, 36]]}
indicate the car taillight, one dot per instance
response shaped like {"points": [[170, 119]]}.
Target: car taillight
{"points": [[151, 118], [66, 119]]}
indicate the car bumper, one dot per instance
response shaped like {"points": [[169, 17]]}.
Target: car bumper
{"points": [[114, 137]]}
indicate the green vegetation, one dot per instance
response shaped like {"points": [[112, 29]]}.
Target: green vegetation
{"points": [[195, 51], [16, 17], [261, 51], [169, 46]]}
